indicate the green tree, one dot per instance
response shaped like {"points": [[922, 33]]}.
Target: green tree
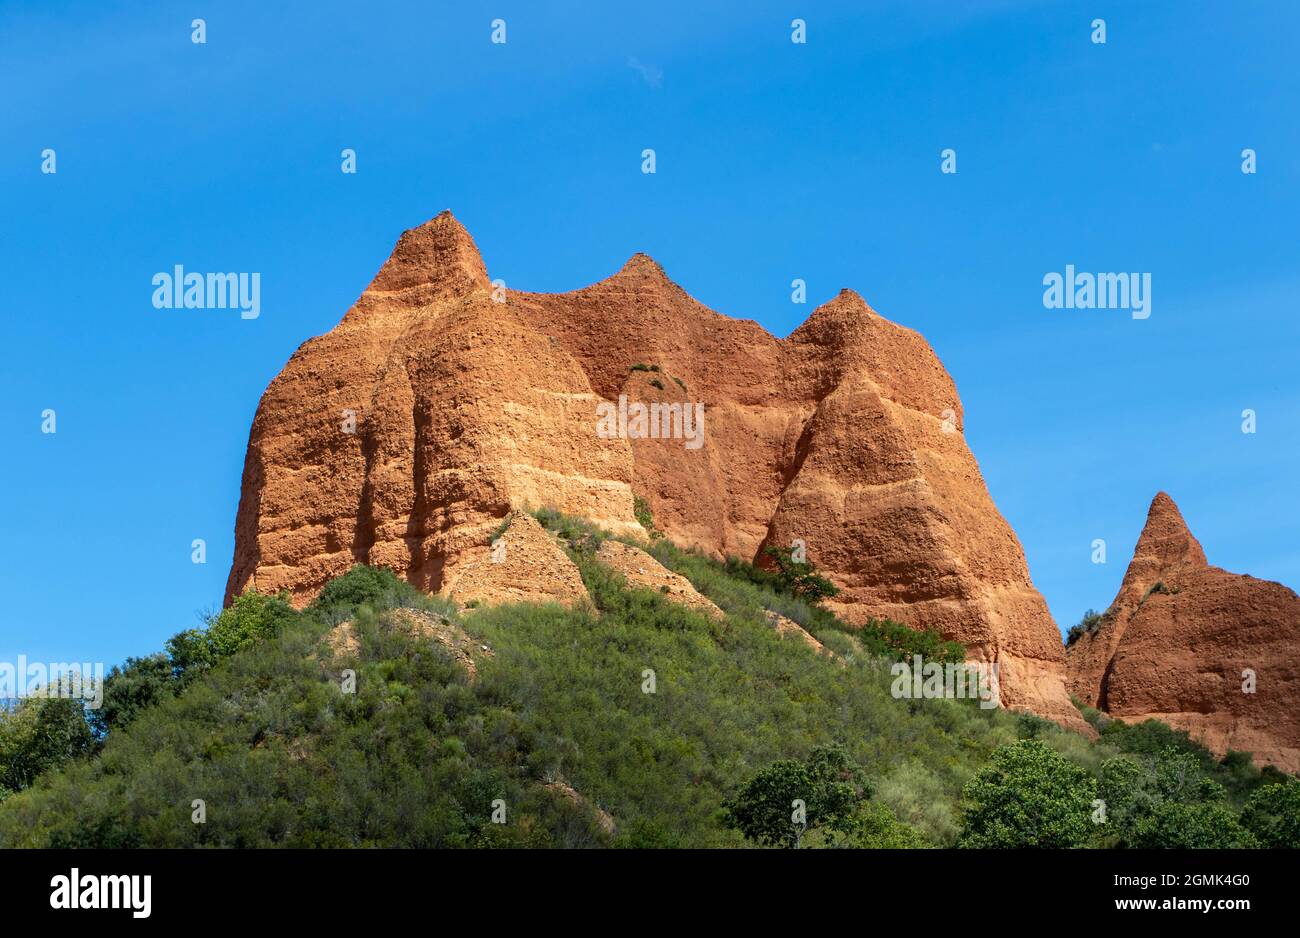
{"points": [[800, 577], [1180, 777], [1272, 814], [789, 799], [876, 828], [138, 684], [1028, 796], [252, 617], [1204, 825], [1126, 787], [41, 733]]}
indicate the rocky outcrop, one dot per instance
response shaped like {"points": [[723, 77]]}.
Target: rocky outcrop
{"points": [[344, 643], [642, 570], [604, 820], [788, 628], [524, 564], [1181, 640], [406, 434]]}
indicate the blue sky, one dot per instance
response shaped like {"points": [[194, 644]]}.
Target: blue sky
{"points": [[775, 161]]}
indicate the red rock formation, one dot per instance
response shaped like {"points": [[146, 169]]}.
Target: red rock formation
{"points": [[643, 571], [525, 564], [847, 436], [1176, 641]]}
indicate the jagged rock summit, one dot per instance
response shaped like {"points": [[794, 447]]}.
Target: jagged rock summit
{"points": [[1176, 642], [404, 435]]}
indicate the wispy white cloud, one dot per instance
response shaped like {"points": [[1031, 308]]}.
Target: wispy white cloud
{"points": [[652, 74]]}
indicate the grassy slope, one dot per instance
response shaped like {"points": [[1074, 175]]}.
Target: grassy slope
{"points": [[417, 755]]}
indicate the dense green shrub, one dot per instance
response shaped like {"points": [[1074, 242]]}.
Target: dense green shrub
{"points": [[1176, 825], [800, 577], [1092, 621], [378, 587], [37, 734], [1030, 796], [651, 711], [789, 799], [250, 618], [131, 688], [283, 757], [1273, 815]]}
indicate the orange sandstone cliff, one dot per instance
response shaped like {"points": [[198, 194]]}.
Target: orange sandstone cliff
{"points": [[1178, 640], [404, 435]]}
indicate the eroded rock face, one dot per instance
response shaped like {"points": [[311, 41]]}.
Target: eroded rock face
{"points": [[525, 564], [642, 570], [847, 436], [788, 628], [1176, 641]]}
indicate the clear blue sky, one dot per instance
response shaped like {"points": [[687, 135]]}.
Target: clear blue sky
{"points": [[775, 161]]}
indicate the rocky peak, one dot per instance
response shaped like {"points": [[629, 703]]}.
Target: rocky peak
{"points": [[841, 435], [1166, 540], [1165, 549], [1178, 640], [440, 253]]}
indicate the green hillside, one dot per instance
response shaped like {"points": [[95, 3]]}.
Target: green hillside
{"points": [[632, 723]]}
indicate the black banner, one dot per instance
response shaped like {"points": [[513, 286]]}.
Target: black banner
{"points": [[348, 888]]}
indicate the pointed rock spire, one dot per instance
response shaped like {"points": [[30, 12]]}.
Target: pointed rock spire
{"points": [[642, 270], [1180, 637], [641, 263], [1166, 541], [439, 253]]}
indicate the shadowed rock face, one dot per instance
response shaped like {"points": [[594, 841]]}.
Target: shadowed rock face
{"points": [[1176, 640], [846, 435]]}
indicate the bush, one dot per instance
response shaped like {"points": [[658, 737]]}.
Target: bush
{"points": [[903, 643], [800, 577], [917, 796], [789, 799], [248, 711], [578, 534], [1030, 796], [1205, 826], [40, 733], [361, 585], [644, 516], [252, 617], [1273, 815], [1092, 621], [131, 689], [876, 828]]}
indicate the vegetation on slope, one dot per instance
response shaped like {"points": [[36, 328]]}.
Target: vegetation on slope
{"points": [[686, 730]]}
